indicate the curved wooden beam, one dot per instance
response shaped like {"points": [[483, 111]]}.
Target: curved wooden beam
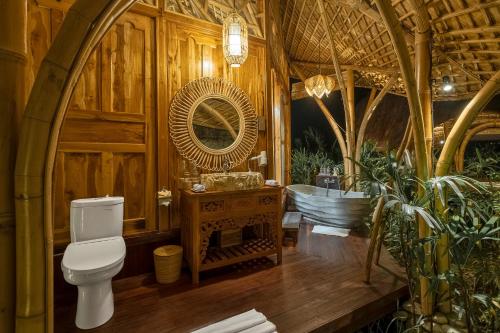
{"points": [[463, 122], [83, 28], [333, 124], [468, 137], [395, 31], [350, 141], [369, 112]]}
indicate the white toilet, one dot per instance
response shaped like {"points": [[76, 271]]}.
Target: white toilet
{"points": [[94, 257]]}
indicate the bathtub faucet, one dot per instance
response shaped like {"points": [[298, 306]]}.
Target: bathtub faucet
{"points": [[329, 181]]}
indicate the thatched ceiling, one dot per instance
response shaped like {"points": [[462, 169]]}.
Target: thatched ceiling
{"points": [[216, 10], [466, 37], [466, 41]]}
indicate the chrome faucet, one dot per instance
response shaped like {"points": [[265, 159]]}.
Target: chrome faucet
{"points": [[329, 181], [226, 166]]}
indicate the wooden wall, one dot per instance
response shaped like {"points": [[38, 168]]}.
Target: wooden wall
{"points": [[115, 136]]}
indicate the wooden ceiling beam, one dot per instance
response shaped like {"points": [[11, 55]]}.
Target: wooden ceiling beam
{"points": [[297, 24], [471, 9], [287, 33], [358, 68], [480, 30]]}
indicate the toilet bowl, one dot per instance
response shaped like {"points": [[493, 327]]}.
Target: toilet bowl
{"points": [[94, 256], [90, 265]]}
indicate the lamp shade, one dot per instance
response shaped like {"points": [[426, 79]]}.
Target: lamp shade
{"points": [[235, 39], [319, 85]]}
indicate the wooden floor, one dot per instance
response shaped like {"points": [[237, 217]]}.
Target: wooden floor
{"points": [[318, 288]]}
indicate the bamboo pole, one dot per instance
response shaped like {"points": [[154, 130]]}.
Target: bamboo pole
{"points": [[368, 114], [13, 60], [357, 156], [377, 235], [84, 26], [351, 125], [405, 141], [470, 112], [333, 124], [484, 95], [423, 67], [340, 79], [459, 164], [397, 36]]}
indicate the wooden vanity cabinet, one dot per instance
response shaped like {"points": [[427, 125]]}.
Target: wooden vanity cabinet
{"points": [[209, 212]]}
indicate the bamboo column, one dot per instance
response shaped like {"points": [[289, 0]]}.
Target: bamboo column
{"points": [[423, 68], [351, 124], [463, 123], [13, 54], [451, 144], [459, 156], [333, 124], [370, 109], [397, 36], [348, 165]]}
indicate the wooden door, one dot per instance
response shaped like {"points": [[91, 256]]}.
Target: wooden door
{"points": [[107, 142]]}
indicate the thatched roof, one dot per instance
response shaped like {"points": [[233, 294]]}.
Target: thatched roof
{"points": [[466, 37], [216, 10], [466, 45]]}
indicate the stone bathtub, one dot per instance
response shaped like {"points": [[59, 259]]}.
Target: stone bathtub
{"points": [[339, 209]]}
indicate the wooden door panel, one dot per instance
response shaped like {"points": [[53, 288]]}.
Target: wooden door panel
{"points": [[107, 142], [75, 130], [77, 175]]}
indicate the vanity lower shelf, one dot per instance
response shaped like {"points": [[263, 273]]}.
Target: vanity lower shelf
{"points": [[251, 249], [204, 214]]}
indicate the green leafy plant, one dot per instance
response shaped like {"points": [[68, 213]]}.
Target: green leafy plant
{"points": [[483, 168], [470, 223]]}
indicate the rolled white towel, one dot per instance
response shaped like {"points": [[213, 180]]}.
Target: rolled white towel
{"points": [[236, 323], [198, 188], [272, 182], [266, 327]]}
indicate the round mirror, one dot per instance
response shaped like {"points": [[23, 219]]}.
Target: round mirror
{"points": [[216, 123], [212, 123]]}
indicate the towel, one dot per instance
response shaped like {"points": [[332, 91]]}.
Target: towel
{"points": [[266, 327], [198, 188], [236, 323], [272, 182], [320, 229]]}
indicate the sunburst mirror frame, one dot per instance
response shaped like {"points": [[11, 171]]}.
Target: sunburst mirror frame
{"points": [[187, 143]]}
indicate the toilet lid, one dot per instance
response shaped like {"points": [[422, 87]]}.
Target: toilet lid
{"points": [[94, 255]]}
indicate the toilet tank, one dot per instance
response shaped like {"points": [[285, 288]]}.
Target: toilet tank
{"points": [[94, 218]]}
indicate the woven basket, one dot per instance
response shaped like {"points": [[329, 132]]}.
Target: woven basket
{"points": [[168, 262]]}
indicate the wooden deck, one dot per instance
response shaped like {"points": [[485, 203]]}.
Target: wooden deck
{"points": [[318, 288]]}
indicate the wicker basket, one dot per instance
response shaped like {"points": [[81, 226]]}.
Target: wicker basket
{"points": [[168, 262]]}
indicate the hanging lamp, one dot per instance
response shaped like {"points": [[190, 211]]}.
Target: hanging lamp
{"points": [[319, 84], [235, 39]]}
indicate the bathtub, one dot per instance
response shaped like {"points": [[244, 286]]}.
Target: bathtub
{"points": [[339, 209]]}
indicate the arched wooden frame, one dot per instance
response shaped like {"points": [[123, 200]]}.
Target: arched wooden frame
{"points": [[181, 115], [459, 157], [83, 28]]}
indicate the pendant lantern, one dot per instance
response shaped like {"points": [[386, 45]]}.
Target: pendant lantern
{"points": [[235, 39], [319, 84]]}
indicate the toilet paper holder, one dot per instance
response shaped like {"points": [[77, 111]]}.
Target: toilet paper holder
{"points": [[164, 197]]}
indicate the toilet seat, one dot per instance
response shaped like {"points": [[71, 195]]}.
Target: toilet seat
{"points": [[93, 255]]}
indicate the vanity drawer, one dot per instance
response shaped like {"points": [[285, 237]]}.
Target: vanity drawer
{"points": [[242, 203]]}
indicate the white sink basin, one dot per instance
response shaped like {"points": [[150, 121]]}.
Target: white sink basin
{"points": [[232, 181]]}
